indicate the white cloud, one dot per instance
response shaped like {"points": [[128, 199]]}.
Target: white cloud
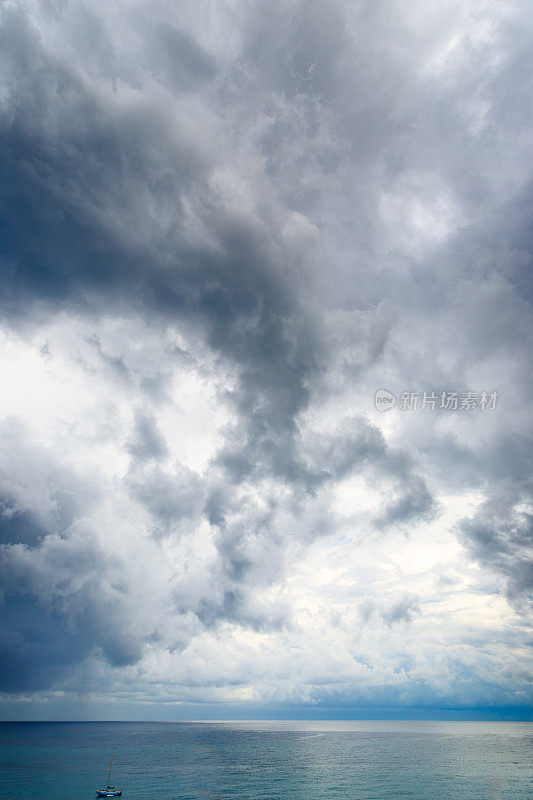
{"points": [[228, 228]]}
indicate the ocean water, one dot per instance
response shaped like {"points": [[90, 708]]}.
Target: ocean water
{"points": [[269, 760]]}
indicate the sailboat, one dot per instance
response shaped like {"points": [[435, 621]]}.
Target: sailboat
{"points": [[109, 791]]}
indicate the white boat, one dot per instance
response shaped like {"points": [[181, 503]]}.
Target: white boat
{"points": [[109, 791]]}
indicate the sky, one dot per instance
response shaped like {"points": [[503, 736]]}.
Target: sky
{"points": [[265, 326]]}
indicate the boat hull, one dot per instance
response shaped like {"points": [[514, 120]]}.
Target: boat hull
{"points": [[109, 792]]}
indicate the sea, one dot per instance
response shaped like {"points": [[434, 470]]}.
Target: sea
{"points": [[356, 760]]}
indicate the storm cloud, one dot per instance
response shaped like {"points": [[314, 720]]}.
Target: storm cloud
{"points": [[223, 229]]}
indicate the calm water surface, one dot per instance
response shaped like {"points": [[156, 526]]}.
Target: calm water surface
{"points": [[269, 760]]}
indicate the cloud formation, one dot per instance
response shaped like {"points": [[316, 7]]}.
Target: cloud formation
{"points": [[224, 229]]}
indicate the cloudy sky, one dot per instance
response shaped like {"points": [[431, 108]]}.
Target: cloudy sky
{"points": [[225, 225]]}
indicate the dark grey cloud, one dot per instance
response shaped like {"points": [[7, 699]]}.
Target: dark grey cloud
{"points": [[58, 601], [169, 497], [146, 442], [115, 363], [183, 63], [19, 525], [235, 607], [59, 250], [401, 609], [299, 202], [500, 534], [413, 503], [59, 608], [39, 494], [357, 446]]}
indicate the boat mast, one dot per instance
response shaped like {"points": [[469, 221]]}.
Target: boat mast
{"points": [[109, 776]]}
